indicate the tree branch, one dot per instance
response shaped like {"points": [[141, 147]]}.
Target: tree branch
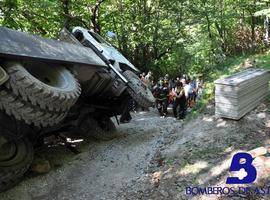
{"points": [[78, 19], [168, 50], [31, 19], [95, 16]]}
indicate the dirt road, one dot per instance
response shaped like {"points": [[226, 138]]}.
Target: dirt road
{"points": [[103, 168], [152, 158]]}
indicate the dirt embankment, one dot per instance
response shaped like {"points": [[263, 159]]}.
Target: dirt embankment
{"points": [[152, 158]]}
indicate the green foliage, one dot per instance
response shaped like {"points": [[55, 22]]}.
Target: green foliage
{"points": [[175, 37], [230, 66]]}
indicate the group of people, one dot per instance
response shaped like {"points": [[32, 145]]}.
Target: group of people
{"points": [[181, 93]]}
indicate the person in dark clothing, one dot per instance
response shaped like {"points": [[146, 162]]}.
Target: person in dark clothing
{"points": [[172, 84], [179, 106], [161, 92]]}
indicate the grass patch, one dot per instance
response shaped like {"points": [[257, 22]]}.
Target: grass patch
{"points": [[230, 66], [263, 60]]}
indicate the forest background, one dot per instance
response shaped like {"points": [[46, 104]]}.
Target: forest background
{"points": [[174, 37]]}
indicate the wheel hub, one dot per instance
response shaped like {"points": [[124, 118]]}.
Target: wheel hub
{"points": [[7, 149], [46, 74]]}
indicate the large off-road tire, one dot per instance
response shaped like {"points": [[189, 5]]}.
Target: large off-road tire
{"points": [[16, 155], [103, 129], [30, 114], [47, 86], [138, 91]]}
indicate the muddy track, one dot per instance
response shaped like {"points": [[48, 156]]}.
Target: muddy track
{"points": [[103, 168], [152, 158]]}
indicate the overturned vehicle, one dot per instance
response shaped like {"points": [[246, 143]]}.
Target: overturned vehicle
{"points": [[50, 86]]}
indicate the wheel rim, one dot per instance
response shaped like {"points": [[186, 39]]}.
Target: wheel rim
{"points": [[8, 149], [49, 75]]}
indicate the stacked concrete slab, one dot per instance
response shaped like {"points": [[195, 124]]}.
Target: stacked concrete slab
{"points": [[240, 93]]}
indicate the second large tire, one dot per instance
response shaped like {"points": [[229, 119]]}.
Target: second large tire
{"points": [[23, 110], [44, 85], [138, 91], [16, 155]]}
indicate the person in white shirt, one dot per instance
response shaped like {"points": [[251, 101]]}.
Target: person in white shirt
{"points": [[148, 80], [187, 88]]}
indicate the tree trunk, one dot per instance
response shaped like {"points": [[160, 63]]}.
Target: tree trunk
{"points": [[210, 33], [253, 26], [266, 27], [95, 17], [65, 6]]}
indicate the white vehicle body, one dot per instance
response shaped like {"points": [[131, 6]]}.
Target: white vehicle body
{"points": [[108, 51]]}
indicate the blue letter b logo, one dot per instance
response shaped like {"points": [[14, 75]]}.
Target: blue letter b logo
{"points": [[251, 172]]}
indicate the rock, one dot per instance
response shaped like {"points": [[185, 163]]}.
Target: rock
{"points": [[168, 176], [262, 165], [249, 63], [258, 152], [40, 166], [267, 124], [156, 178]]}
